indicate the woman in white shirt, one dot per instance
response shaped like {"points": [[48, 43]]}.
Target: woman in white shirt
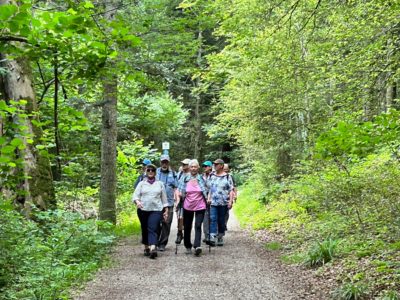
{"points": [[151, 201]]}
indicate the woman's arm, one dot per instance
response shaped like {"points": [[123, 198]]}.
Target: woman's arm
{"points": [[137, 195]]}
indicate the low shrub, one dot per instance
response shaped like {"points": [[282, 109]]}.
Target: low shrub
{"points": [[41, 259]]}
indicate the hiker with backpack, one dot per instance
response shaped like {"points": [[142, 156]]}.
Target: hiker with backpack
{"points": [[151, 201], [193, 194], [227, 171], [167, 176], [184, 170], [220, 197]]}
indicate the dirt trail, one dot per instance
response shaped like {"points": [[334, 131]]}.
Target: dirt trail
{"points": [[240, 269]]}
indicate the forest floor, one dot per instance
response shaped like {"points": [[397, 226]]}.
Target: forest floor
{"points": [[241, 269]]}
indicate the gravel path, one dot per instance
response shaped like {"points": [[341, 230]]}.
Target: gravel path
{"points": [[241, 269]]}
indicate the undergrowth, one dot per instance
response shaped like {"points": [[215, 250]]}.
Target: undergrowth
{"points": [[350, 218], [44, 257]]}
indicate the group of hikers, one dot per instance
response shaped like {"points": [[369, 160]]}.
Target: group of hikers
{"points": [[203, 197]]}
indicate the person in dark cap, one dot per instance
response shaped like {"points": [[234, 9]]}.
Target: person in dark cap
{"points": [[167, 176], [220, 197]]}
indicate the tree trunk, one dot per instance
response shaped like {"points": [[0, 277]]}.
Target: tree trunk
{"points": [[38, 183], [108, 184], [57, 173], [198, 123]]}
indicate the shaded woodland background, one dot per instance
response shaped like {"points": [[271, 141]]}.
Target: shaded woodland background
{"points": [[301, 98]]}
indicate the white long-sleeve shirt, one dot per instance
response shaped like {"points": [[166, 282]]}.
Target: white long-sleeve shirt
{"points": [[152, 196]]}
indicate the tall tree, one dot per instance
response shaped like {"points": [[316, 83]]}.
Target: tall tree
{"points": [[108, 183]]}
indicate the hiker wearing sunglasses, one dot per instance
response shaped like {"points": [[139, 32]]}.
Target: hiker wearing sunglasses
{"points": [[193, 193], [220, 197], [152, 205]]}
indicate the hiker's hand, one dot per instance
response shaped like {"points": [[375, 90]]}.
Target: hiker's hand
{"points": [[229, 204], [208, 201], [165, 214], [139, 204]]}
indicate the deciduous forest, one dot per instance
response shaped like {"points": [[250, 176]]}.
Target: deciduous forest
{"points": [[300, 97]]}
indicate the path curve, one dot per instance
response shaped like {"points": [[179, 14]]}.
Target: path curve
{"points": [[240, 269]]}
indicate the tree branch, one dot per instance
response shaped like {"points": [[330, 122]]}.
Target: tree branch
{"points": [[10, 38]]}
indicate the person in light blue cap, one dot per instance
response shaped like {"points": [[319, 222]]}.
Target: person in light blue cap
{"points": [[145, 162]]}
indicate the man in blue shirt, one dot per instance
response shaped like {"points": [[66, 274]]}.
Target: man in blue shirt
{"points": [[167, 176]]}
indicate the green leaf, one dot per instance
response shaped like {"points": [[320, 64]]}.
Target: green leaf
{"points": [[4, 159], [7, 11], [16, 142], [8, 149], [88, 4]]}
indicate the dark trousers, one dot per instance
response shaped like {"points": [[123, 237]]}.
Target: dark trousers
{"points": [[165, 228], [217, 216], [206, 223], [149, 222], [226, 219], [187, 227]]}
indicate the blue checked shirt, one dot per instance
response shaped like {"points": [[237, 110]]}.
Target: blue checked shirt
{"points": [[220, 187]]}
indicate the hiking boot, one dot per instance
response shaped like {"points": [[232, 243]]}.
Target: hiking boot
{"points": [[153, 254], [179, 237], [212, 242], [197, 251], [147, 252], [188, 251], [220, 241], [161, 248]]}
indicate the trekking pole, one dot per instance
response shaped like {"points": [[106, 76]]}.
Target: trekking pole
{"points": [[209, 228], [177, 219]]}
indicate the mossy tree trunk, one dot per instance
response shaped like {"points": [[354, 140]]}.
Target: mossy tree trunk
{"points": [[38, 183]]}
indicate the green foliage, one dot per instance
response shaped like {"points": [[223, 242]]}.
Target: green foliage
{"points": [[390, 295], [42, 258], [351, 291], [273, 246], [13, 140], [129, 163], [127, 221], [321, 253], [360, 139], [323, 205]]}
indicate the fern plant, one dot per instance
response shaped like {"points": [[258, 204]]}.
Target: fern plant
{"points": [[351, 291], [321, 253]]}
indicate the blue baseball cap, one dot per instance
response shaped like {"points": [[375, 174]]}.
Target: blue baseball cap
{"points": [[207, 163], [146, 162]]}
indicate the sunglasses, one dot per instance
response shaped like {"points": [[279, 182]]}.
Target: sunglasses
{"points": [[150, 170]]}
